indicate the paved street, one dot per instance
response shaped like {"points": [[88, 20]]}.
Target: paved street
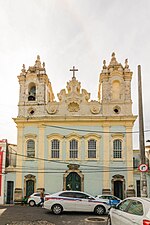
{"points": [[25, 215]]}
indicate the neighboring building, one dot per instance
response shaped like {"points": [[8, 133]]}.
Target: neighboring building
{"points": [[137, 173], [75, 143], [147, 154], [3, 149], [10, 172]]}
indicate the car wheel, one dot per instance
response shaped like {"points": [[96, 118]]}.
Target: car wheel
{"points": [[32, 203], [57, 209], [99, 210], [108, 221]]}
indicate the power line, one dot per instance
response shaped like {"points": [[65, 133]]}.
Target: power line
{"points": [[61, 162], [94, 131]]}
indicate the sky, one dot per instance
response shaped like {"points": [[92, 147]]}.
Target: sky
{"points": [[67, 33]]}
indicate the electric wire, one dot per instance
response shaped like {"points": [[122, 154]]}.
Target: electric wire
{"points": [[61, 162], [94, 131]]}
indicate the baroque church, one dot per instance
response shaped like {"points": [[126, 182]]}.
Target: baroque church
{"points": [[74, 142]]}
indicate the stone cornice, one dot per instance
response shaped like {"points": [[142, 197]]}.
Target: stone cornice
{"points": [[75, 118]]}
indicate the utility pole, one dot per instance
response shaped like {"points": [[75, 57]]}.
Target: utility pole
{"points": [[141, 135]]}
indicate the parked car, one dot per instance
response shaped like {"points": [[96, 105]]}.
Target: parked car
{"points": [[130, 211], [74, 201], [34, 199], [110, 199]]}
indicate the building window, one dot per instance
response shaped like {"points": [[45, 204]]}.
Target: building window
{"points": [[55, 146], [92, 148], [136, 162], [73, 149], [117, 149], [30, 148]]}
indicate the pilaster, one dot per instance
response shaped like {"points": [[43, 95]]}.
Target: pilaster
{"points": [[19, 156], [41, 156], [18, 194], [106, 159]]}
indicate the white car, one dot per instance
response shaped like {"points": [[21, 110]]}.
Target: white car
{"points": [[110, 199], [34, 199], [74, 201], [133, 210]]}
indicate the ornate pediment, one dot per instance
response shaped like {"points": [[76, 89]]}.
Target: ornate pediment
{"points": [[73, 101], [74, 95]]}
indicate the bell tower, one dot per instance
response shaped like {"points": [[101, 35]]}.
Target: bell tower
{"points": [[35, 90], [115, 88]]}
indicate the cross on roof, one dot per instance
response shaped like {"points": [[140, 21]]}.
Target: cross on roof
{"points": [[74, 69]]}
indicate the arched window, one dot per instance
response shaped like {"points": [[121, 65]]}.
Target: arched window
{"points": [[92, 148], [55, 147], [30, 148], [117, 149], [73, 149], [32, 92]]}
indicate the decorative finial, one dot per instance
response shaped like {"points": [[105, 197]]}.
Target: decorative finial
{"points": [[38, 62], [126, 63], [104, 64], [23, 69], [113, 55], [113, 61]]}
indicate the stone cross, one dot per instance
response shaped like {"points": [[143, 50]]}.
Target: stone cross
{"points": [[73, 71]]}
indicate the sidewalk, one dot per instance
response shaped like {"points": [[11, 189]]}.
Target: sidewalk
{"points": [[1, 211]]}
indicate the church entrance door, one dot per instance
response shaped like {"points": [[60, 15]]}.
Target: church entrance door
{"points": [[73, 182], [118, 189], [29, 187]]}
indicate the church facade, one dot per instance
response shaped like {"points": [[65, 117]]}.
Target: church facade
{"points": [[75, 142]]}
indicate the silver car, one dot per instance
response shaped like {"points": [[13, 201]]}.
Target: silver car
{"points": [[133, 210]]}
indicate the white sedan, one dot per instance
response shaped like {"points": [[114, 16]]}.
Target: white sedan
{"points": [[74, 201], [133, 210]]}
